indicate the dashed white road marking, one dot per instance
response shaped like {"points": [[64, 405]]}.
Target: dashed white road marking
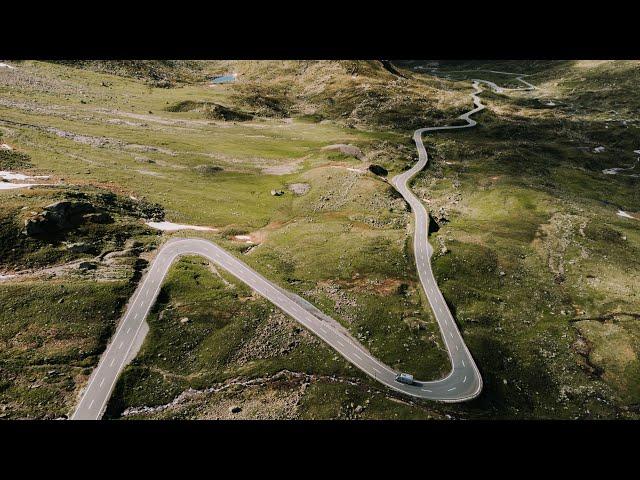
{"points": [[120, 346], [91, 404], [465, 379], [357, 356], [101, 382], [451, 389]]}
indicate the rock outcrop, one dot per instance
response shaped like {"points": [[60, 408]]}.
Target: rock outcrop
{"points": [[64, 215]]}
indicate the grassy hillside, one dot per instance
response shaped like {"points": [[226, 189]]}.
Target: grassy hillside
{"points": [[532, 258], [539, 266]]}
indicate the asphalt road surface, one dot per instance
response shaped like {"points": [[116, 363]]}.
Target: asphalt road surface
{"points": [[461, 384]]}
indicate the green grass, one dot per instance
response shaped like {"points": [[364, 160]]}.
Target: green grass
{"points": [[19, 251], [538, 209], [223, 317], [532, 230], [52, 333]]}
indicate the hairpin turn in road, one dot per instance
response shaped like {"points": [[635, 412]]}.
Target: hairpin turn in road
{"points": [[461, 384]]}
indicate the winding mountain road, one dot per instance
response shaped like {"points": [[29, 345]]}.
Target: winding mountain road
{"points": [[461, 384]]}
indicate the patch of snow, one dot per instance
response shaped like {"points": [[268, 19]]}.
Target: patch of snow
{"points": [[624, 214], [5, 277], [599, 149], [12, 186], [637, 152], [6, 65], [172, 227], [6, 175], [550, 104], [5, 146], [617, 170]]}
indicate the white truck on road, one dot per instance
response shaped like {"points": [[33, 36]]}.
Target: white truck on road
{"points": [[404, 378]]}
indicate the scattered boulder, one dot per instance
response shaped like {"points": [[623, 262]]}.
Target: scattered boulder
{"points": [[207, 169], [184, 320], [235, 409], [359, 409], [378, 170], [440, 216], [87, 266], [277, 193]]}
